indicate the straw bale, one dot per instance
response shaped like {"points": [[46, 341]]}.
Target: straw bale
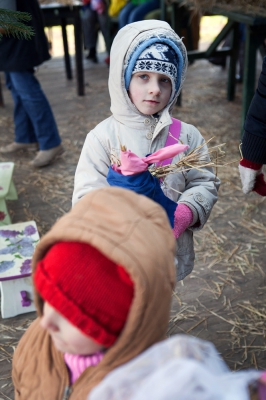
{"points": [[63, 2], [253, 7]]}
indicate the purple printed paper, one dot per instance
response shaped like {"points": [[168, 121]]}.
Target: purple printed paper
{"points": [[17, 244]]}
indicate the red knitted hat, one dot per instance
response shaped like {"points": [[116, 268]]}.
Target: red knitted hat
{"points": [[88, 289]]}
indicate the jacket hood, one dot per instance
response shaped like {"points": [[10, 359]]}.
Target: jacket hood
{"points": [[128, 44], [133, 231]]}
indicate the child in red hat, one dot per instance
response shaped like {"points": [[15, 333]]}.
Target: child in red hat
{"points": [[82, 323], [103, 278]]}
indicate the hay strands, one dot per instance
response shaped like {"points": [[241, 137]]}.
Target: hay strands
{"points": [[252, 7], [198, 158], [63, 2]]}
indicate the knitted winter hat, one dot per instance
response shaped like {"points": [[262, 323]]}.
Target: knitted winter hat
{"points": [[157, 57], [88, 289]]}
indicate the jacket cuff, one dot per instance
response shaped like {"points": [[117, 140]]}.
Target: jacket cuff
{"points": [[254, 148], [250, 164]]}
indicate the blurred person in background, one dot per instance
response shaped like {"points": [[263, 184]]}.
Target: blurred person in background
{"points": [[35, 125], [94, 17], [136, 10], [254, 141]]}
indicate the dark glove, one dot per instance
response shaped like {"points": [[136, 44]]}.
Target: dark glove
{"points": [[146, 184]]}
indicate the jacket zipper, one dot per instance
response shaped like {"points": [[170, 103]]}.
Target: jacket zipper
{"points": [[68, 388], [67, 393]]}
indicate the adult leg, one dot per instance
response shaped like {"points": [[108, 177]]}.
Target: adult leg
{"points": [[241, 52], [104, 26], [103, 22], [25, 138], [39, 112], [24, 131], [37, 108], [140, 11], [124, 14], [90, 31]]}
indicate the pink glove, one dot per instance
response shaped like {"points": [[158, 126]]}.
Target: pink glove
{"points": [[183, 218], [252, 177], [262, 386]]}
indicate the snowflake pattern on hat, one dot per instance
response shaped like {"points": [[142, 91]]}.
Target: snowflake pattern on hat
{"points": [[159, 58], [162, 36]]}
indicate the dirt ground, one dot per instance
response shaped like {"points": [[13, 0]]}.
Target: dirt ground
{"points": [[223, 300]]}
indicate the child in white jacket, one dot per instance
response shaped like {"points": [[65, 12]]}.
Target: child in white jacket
{"points": [[148, 64]]}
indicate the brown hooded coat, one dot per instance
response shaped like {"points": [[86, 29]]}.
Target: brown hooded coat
{"points": [[134, 232]]}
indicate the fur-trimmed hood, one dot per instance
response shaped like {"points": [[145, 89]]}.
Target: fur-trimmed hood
{"points": [[126, 45], [134, 232]]}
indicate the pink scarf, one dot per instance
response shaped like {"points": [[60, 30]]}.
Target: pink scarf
{"points": [[77, 363]]}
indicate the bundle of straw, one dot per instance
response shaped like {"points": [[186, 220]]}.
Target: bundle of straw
{"points": [[252, 7], [63, 2], [198, 158]]}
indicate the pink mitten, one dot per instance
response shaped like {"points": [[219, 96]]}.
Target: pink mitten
{"points": [[183, 218], [249, 173], [262, 386]]}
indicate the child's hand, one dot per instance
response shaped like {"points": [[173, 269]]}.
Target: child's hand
{"points": [[252, 177], [183, 218], [146, 184]]}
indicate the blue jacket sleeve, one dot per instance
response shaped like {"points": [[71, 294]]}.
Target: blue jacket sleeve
{"points": [[146, 184], [254, 138]]}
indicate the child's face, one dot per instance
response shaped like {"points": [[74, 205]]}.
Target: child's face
{"points": [[150, 91], [66, 337]]}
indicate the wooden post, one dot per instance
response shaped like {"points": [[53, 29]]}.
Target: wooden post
{"points": [[78, 52], [66, 51]]}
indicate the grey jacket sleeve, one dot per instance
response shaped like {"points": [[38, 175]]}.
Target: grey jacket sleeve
{"points": [[201, 186]]}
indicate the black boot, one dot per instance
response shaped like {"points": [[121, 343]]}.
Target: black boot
{"points": [[92, 55], [218, 60]]}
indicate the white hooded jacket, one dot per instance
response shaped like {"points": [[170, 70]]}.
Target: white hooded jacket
{"points": [[144, 134]]}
